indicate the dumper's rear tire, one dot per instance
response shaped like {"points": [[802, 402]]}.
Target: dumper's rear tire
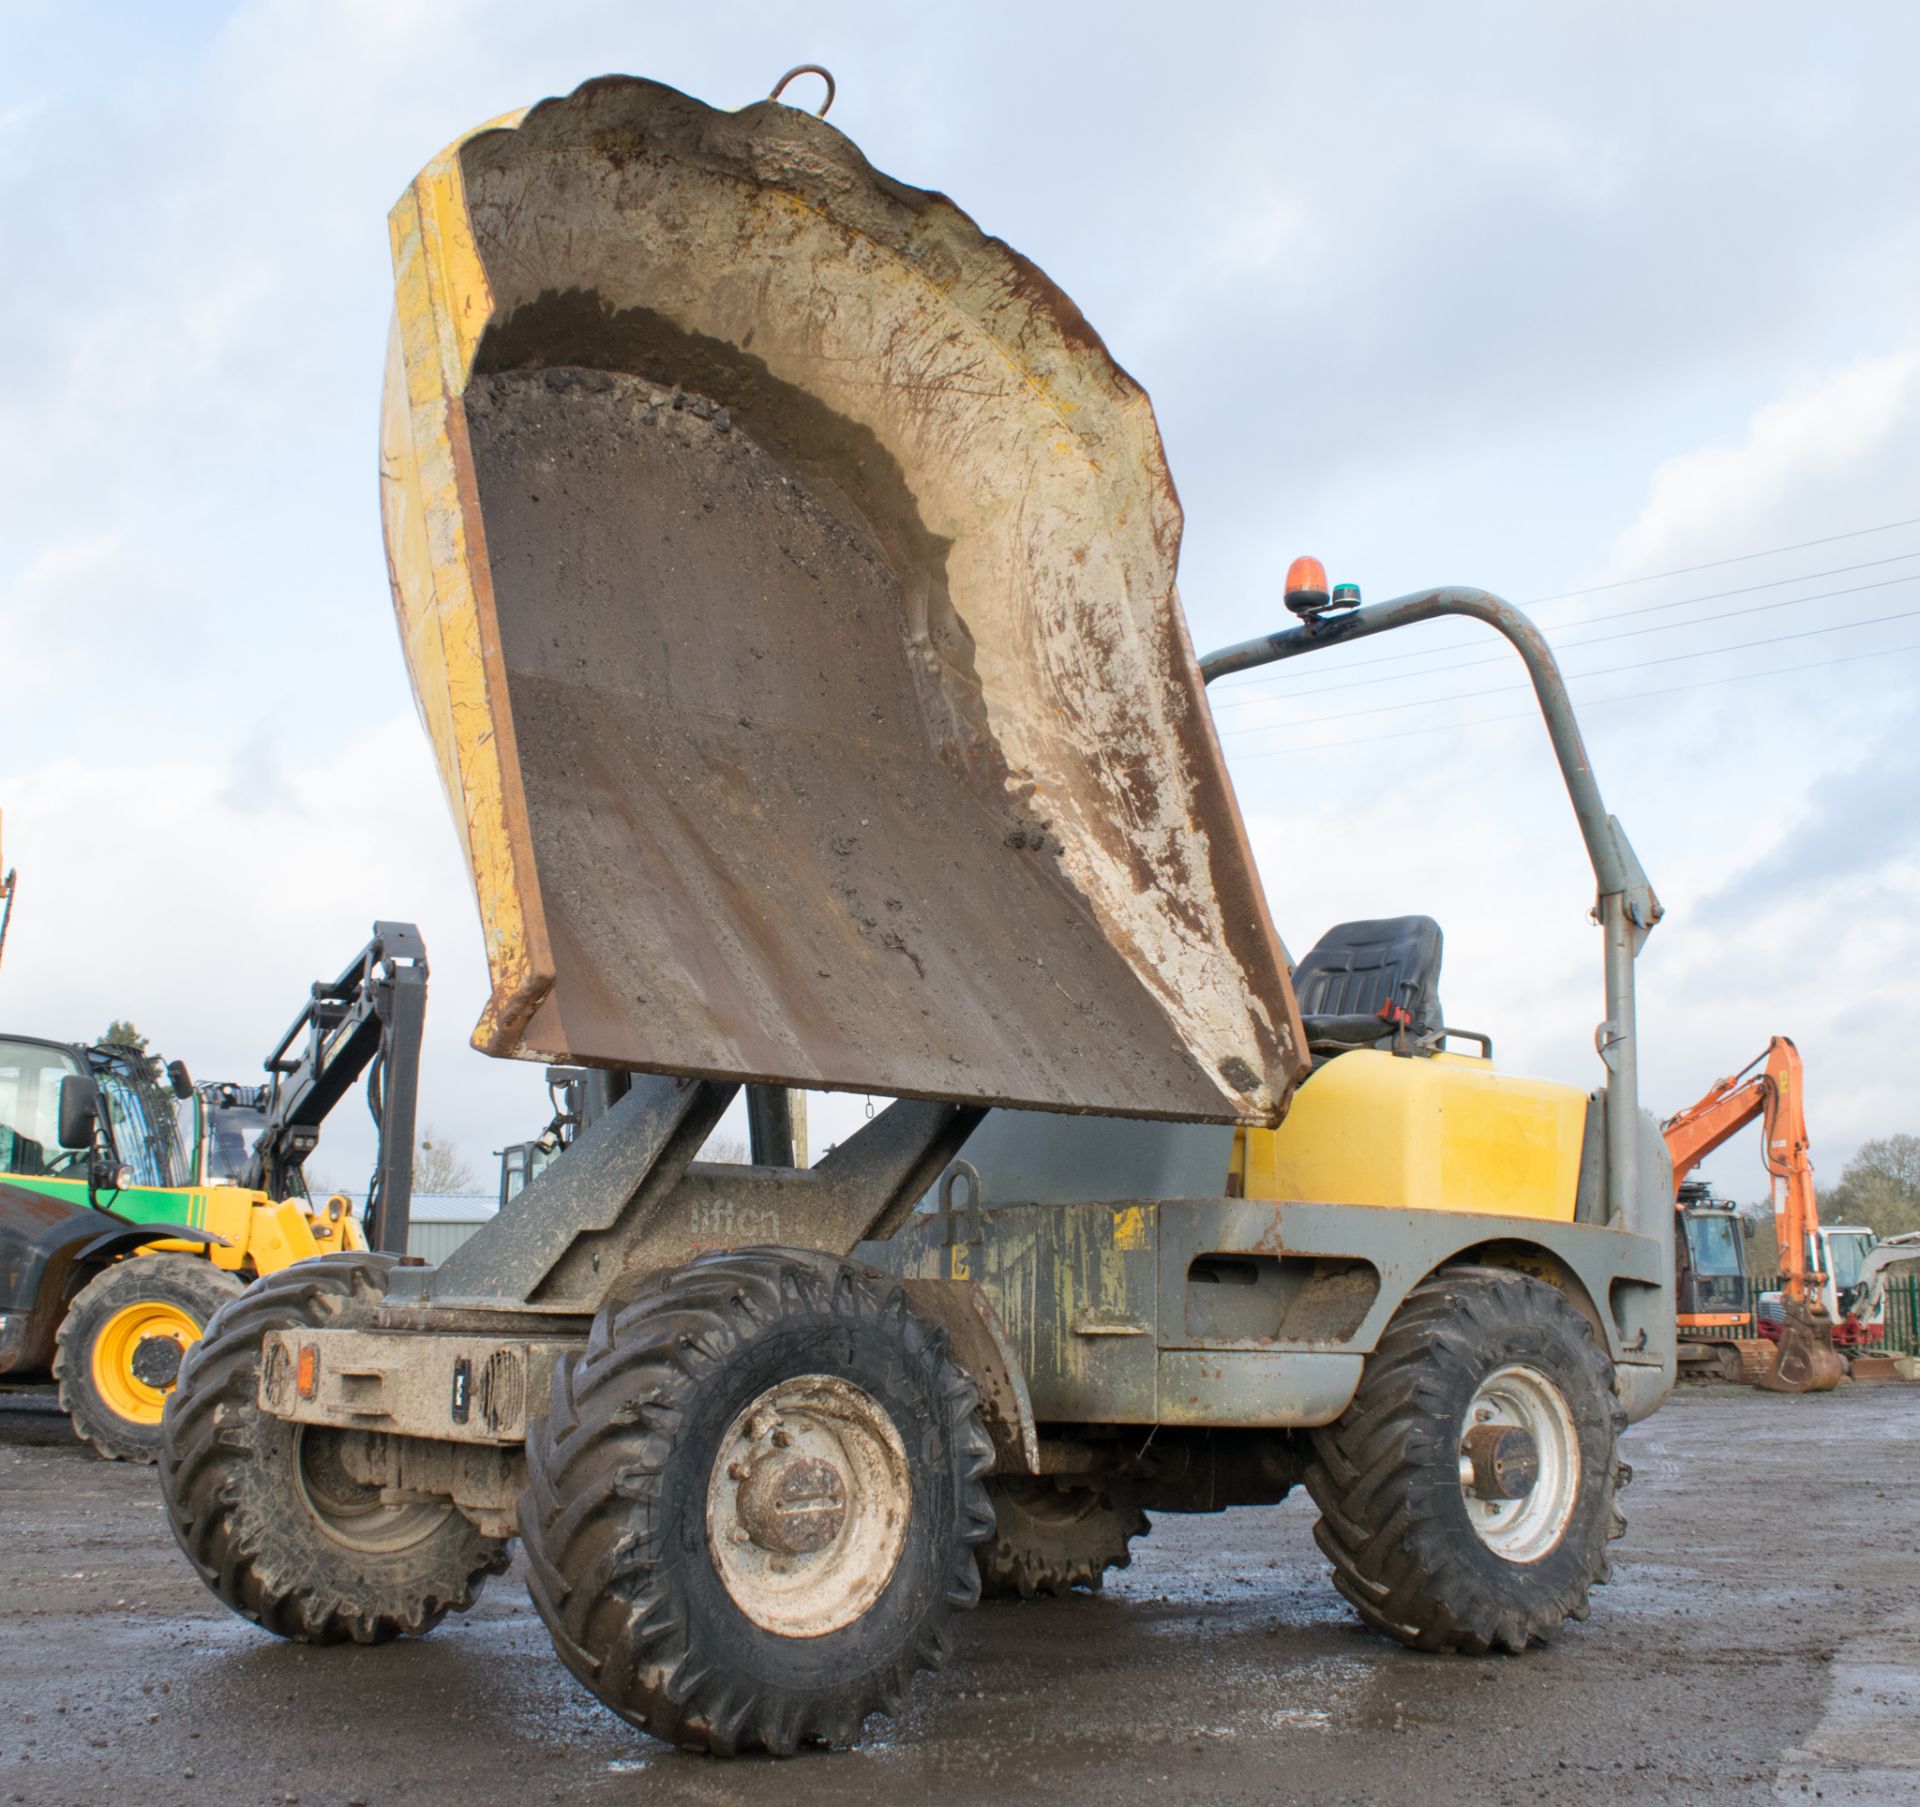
{"points": [[269, 1513], [1049, 1539], [1446, 1530], [120, 1347], [753, 1502]]}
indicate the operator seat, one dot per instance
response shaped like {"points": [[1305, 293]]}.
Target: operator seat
{"points": [[1363, 983]]}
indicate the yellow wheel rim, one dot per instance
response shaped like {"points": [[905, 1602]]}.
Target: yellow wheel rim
{"points": [[119, 1341]]}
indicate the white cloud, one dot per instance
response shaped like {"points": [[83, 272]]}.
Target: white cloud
{"points": [[1837, 447], [1488, 297], [189, 897]]}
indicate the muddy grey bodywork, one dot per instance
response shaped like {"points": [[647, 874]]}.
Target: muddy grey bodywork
{"points": [[1088, 1300], [1071, 1315], [1222, 1311]]}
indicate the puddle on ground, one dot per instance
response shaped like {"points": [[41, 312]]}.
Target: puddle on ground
{"points": [[1328, 1685]]}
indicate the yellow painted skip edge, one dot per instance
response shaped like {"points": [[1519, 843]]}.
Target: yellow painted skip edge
{"points": [[442, 591]]}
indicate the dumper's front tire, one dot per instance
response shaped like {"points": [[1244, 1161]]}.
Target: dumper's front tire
{"points": [[753, 1502], [1049, 1539], [269, 1512], [1468, 1493]]}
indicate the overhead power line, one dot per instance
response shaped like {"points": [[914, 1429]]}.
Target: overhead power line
{"points": [[1634, 696], [1602, 672], [1714, 564]]}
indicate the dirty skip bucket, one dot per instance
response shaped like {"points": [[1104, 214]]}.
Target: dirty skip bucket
{"points": [[786, 575]]}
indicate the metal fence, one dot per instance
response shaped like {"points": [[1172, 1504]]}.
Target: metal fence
{"points": [[1900, 1316], [1903, 1314]]}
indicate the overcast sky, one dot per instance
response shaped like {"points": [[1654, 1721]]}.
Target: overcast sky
{"points": [[1540, 299]]}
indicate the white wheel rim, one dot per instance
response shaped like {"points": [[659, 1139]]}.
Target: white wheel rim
{"points": [[808, 1505], [1525, 1529]]}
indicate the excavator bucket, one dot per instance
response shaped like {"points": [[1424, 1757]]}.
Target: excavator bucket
{"points": [[1805, 1360], [786, 574]]}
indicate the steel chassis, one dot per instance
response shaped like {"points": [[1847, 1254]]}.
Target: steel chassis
{"points": [[1072, 1318]]}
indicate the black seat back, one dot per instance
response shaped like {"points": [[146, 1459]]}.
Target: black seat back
{"points": [[1356, 969]]}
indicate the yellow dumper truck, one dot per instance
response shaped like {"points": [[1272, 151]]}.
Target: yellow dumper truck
{"points": [[785, 571]]}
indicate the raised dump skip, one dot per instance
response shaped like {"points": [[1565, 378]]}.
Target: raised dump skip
{"points": [[786, 576]]}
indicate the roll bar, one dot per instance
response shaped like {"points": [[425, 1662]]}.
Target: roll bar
{"points": [[1626, 907]]}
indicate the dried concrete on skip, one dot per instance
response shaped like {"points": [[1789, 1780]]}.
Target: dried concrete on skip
{"points": [[1758, 1642]]}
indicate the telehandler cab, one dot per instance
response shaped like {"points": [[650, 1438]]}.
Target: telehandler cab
{"points": [[786, 575]]}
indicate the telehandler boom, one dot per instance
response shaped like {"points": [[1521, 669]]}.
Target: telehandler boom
{"points": [[785, 570]]}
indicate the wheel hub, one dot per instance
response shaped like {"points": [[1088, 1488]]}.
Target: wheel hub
{"points": [[808, 1505], [793, 1504], [1519, 1456], [1504, 1461], [156, 1362], [332, 1473]]}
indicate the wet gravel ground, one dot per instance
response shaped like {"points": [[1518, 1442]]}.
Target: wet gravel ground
{"points": [[1761, 1640]]}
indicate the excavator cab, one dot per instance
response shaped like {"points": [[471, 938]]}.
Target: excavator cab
{"points": [[1710, 1278], [1846, 1247], [1841, 1258]]}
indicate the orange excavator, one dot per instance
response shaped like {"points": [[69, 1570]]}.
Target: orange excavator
{"points": [[1770, 1087]]}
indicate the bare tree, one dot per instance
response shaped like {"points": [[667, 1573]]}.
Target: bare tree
{"points": [[1879, 1187], [438, 1166]]}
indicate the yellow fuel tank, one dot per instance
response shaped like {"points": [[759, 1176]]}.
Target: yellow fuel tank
{"points": [[1440, 1133]]}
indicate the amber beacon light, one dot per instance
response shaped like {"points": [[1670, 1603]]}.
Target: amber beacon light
{"points": [[1307, 591]]}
